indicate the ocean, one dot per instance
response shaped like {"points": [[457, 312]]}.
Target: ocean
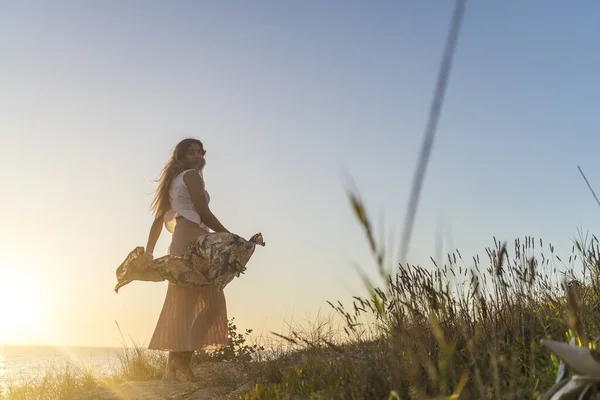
{"points": [[19, 363]]}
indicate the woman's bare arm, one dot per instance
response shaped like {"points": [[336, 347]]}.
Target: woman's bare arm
{"points": [[195, 186], [154, 234]]}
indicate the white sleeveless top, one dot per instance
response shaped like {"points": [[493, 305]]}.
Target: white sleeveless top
{"points": [[182, 204]]}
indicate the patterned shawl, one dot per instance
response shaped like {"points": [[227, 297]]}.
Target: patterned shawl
{"points": [[214, 258]]}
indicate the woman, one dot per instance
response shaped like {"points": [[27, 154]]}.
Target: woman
{"points": [[191, 318]]}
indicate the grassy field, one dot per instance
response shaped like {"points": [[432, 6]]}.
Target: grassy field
{"points": [[466, 329]]}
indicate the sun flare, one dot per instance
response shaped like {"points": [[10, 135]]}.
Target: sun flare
{"points": [[20, 314]]}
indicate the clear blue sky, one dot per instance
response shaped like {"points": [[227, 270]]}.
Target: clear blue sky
{"points": [[286, 96]]}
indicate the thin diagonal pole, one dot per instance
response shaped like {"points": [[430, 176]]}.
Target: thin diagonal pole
{"points": [[431, 127]]}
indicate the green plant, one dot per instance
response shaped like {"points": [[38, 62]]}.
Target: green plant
{"points": [[237, 348]]}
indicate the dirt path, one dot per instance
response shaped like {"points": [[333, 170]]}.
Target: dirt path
{"points": [[218, 380]]}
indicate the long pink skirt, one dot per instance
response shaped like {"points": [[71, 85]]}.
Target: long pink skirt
{"points": [[191, 318]]}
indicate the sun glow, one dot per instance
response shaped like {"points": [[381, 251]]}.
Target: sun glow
{"points": [[21, 318]]}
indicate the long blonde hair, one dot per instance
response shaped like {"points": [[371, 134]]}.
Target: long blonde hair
{"points": [[176, 164]]}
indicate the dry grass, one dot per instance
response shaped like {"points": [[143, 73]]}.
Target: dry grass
{"points": [[458, 330], [68, 380], [135, 363]]}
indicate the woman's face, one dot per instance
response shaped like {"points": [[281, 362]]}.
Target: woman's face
{"points": [[194, 157]]}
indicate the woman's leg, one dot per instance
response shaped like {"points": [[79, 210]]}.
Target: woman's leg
{"points": [[174, 316], [191, 317], [170, 371], [183, 363]]}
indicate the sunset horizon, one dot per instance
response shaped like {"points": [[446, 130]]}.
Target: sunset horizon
{"points": [[292, 106]]}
